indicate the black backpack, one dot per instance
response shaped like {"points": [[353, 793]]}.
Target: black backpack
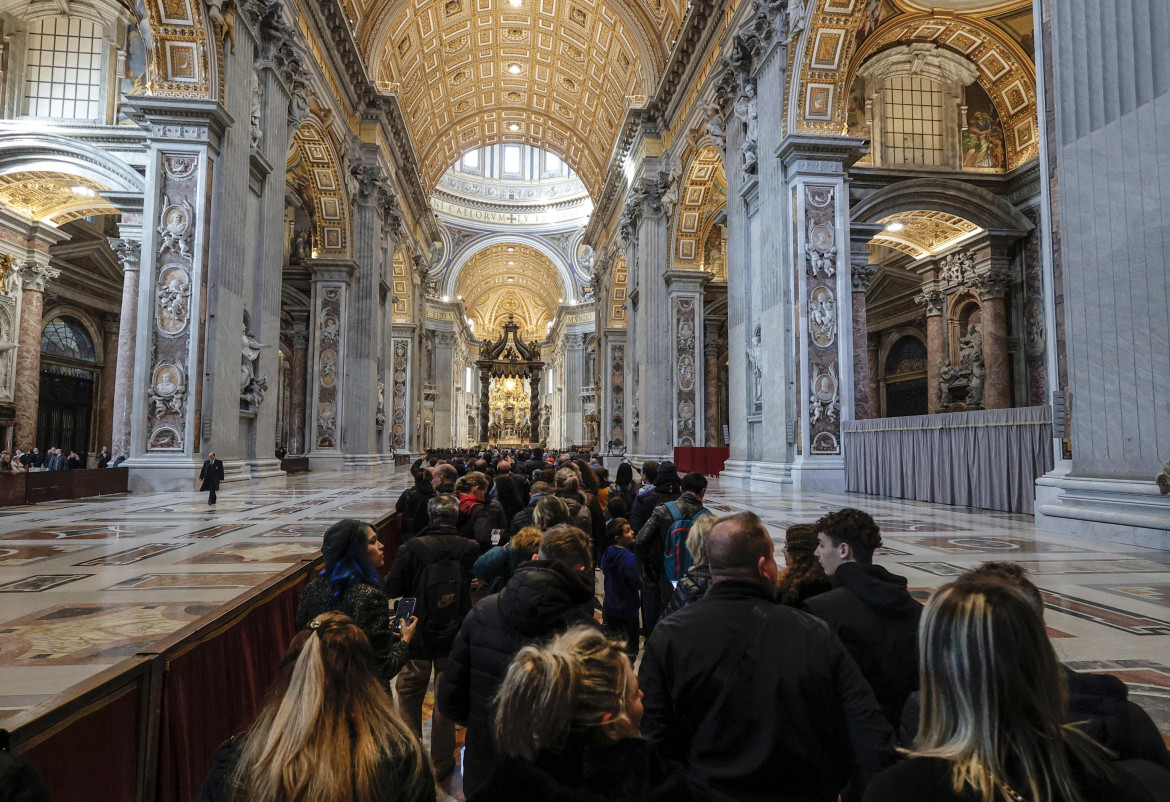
{"points": [[443, 592]]}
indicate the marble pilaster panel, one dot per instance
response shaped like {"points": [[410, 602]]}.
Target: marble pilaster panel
{"points": [[129, 252], [711, 434], [330, 338], [298, 385]]}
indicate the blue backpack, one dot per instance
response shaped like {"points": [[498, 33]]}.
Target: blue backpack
{"points": [[676, 558]]}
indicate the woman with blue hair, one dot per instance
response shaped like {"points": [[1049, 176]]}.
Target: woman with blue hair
{"points": [[350, 584]]}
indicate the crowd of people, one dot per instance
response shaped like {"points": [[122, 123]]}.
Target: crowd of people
{"points": [[53, 459], [705, 670]]}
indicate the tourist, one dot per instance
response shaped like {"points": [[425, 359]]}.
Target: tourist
{"points": [[545, 596], [494, 569], [412, 504], [566, 725], [103, 457], [435, 568], [504, 491], [328, 731], [549, 512], [5, 462], [523, 517], [349, 583], [623, 585], [869, 608], [1098, 702], [661, 541], [993, 712], [73, 462], [695, 583], [480, 519], [759, 700], [804, 576], [569, 491], [443, 478], [603, 485], [663, 487]]}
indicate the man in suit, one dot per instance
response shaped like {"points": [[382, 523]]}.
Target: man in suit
{"points": [[212, 475]]}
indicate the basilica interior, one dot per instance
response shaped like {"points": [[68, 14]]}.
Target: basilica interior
{"points": [[914, 249]]}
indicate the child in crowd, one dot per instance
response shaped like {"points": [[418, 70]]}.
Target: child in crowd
{"points": [[623, 583]]}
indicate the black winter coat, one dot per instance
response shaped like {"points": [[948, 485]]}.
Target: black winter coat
{"points": [[876, 618], [745, 691], [369, 608], [541, 599], [628, 770], [650, 542], [413, 506]]}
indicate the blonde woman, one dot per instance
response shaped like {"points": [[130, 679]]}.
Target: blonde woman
{"points": [[993, 712], [328, 731], [567, 724]]}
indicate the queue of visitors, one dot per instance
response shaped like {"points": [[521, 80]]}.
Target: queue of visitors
{"points": [[703, 670]]}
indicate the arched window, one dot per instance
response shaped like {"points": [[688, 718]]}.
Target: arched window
{"points": [[65, 336], [912, 111]]}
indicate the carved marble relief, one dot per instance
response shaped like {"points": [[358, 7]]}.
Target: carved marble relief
{"points": [[7, 345], [168, 392], [329, 344], [820, 251], [252, 386], [617, 396], [398, 400], [684, 373]]}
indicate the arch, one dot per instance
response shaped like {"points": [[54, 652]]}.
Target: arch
{"points": [[92, 330], [118, 183], [691, 220], [477, 244], [828, 54], [985, 209], [314, 171]]}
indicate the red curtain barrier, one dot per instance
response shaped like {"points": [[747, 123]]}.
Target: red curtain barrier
{"points": [[215, 689], [708, 461], [95, 755]]}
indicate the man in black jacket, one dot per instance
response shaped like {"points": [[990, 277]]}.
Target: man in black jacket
{"points": [[869, 608], [413, 501], [543, 597], [523, 518], [667, 487], [651, 540], [760, 701], [436, 544]]}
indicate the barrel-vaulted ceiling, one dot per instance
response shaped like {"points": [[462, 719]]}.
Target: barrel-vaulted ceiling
{"points": [[510, 279], [557, 74]]}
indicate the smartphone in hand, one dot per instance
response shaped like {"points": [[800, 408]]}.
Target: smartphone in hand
{"points": [[403, 611]]}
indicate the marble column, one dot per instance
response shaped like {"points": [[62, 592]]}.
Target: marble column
{"points": [[106, 394], [875, 393], [997, 390], [711, 431], [299, 383], [861, 273], [936, 345], [485, 384], [128, 252], [27, 391]]}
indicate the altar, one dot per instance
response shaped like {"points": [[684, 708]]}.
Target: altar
{"points": [[509, 386]]}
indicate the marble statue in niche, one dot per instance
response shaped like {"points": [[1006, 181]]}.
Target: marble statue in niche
{"points": [[175, 229], [1034, 340], [746, 110], [822, 317], [755, 355], [173, 300], [7, 352], [380, 415], [9, 275], [971, 365], [256, 132], [821, 251], [252, 386]]}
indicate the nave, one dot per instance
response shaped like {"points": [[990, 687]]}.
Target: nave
{"points": [[87, 583]]}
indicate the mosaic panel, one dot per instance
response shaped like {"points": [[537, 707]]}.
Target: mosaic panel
{"points": [[40, 582], [134, 555], [191, 581], [25, 555], [255, 553], [988, 545], [1111, 617]]}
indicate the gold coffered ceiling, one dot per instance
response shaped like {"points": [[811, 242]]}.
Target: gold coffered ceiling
{"points": [[556, 74], [523, 282], [56, 198], [924, 233]]}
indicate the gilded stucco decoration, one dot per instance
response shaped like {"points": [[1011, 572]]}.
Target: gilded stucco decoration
{"points": [[314, 172], [618, 294], [522, 282], [556, 74], [923, 233], [703, 195], [842, 34], [53, 197], [179, 52], [401, 288]]}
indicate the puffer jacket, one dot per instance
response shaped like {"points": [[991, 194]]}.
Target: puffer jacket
{"points": [[692, 587], [541, 599]]}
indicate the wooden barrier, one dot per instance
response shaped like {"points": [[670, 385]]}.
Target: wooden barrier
{"points": [[33, 488], [145, 729], [292, 465]]}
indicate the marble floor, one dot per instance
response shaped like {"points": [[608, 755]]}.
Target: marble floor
{"points": [[87, 583]]}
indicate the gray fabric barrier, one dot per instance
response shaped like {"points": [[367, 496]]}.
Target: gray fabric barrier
{"points": [[988, 459]]}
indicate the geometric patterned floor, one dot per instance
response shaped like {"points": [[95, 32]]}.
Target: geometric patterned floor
{"points": [[84, 584]]}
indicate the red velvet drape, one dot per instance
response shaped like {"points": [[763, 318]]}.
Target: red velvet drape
{"points": [[95, 757], [215, 690]]}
